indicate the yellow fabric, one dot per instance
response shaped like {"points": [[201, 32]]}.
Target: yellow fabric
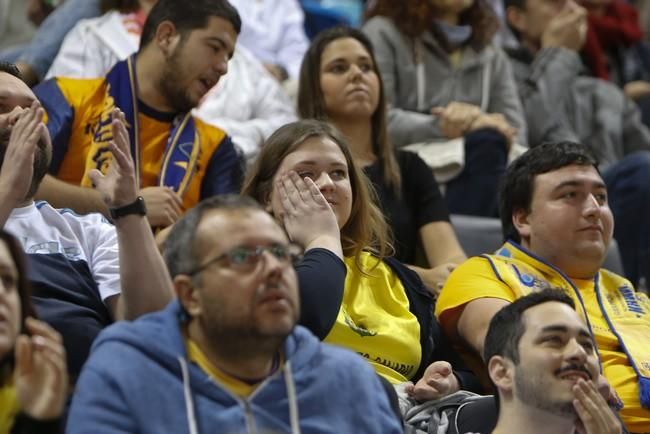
{"points": [[375, 320], [232, 384], [509, 278], [8, 408], [456, 58], [92, 106]]}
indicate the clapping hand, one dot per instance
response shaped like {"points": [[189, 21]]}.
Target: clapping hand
{"points": [[594, 414], [40, 375]]}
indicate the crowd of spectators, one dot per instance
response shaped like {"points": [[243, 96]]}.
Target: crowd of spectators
{"points": [[213, 222]]}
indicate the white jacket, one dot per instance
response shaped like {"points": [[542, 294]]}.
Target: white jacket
{"points": [[247, 103]]}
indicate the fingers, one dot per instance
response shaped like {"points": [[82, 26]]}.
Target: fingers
{"points": [[592, 409], [23, 355]]}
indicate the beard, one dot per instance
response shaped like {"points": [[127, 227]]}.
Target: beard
{"points": [[243, 336], [42, 158], [535, 392], [170, 83]]}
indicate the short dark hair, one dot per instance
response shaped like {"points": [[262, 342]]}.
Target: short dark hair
{"points": [[124, 6], [187, 16], [506, 327], [521, 4], [180, 247], [10, 69], [517, 185]]}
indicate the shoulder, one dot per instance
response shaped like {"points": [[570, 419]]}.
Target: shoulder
{"points": [[74, 90], [209, 131], [380, 25]]}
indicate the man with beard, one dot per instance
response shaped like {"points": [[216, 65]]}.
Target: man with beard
{"points": [[184, 50], [227, 356], [84, 272], [558, 225], [544, 365]]}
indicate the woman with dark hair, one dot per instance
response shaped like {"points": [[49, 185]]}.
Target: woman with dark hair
{"points": [[33, 374], [352, 294], [340, 83], [451, 93]]}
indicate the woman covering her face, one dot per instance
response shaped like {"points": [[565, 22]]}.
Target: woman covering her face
{"points": [[445, 82], [352, 293], [340, 83], [33, 374]]}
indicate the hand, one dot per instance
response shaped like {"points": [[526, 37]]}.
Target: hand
{"points": [[164, 206], [607, 391], [7, 120], [40, 375], [438, 381], [594, 415], [118, 186], [496, 121], [278, 72], [306, 215], [18, 166], [637, 89], [456, 118], [435, 278], [568, 29]]}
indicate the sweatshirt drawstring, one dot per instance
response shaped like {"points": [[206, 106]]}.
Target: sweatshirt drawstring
{"points": [[291, 396], [189, 402], [485, 91]]}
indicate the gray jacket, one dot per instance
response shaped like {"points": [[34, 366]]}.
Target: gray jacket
{"points": [[560, 104], [484, 78]]}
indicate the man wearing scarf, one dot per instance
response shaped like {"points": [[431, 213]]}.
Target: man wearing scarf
{"points": [[558, 225], [184, 50]]}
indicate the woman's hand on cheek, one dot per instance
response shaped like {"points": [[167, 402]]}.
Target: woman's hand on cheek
{"points": [[307, 217]]}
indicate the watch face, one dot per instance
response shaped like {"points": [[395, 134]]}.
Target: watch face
{"points": [[136, 207]]}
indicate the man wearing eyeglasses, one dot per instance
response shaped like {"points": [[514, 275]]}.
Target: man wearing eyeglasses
{"points": [[227, 356]]}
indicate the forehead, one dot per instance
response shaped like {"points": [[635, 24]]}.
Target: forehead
{"points": [[552, 314], [216, 29], [346, 47], [14, 93], [221, 230], [586, 176], [315, 151]]}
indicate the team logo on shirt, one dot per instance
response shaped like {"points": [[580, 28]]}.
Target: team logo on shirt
{"points": [[360, 330]]}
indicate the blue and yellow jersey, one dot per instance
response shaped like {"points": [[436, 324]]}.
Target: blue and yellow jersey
{"points": [[79, 121]]}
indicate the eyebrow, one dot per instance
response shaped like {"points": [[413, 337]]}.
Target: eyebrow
{"points": [[564, 329], [313, 163], [221, 42], [574, 183]]}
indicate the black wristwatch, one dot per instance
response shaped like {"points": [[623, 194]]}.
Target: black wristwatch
{"points": [[135, 207]]}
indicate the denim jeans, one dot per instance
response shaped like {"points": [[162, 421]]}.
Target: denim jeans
{"points": [[628, 183], [475, 190], [47, 40]]}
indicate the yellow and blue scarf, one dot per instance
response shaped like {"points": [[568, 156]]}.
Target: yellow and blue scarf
{"points": [[183, 146]]}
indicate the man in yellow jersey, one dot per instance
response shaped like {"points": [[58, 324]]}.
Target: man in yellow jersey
{"points": [[179, 159], [227, 356], [543, 362], [558, 226]]}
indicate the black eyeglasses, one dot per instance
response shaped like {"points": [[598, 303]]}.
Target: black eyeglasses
{"points": [[247, 257]]}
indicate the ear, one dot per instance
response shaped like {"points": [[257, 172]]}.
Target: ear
{"points": [[188, 294], [167, 37], [502, 372], [520, 220], [516, 17]]}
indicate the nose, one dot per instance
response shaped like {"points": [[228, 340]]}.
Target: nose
{"points": [[273, 266], [576, 353], [355, 72], [592, 206], [324, 182], [221, 65]]}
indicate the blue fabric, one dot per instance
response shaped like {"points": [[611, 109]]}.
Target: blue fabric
{"points": [[132, 383], [628, 183], [475, 190], [45, 44]]}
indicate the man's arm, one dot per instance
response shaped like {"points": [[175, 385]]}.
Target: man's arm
{"points": [[146, 285], [474, 319], [61, 194]]}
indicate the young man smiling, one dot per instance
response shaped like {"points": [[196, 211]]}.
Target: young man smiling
{"points": [[558, 226]]}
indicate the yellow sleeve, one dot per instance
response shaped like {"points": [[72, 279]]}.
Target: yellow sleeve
{"points": [[473, 279]]}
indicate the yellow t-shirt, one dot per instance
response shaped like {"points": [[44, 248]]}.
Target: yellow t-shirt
{"points": [[375, 320], [479, 277], [233, 385], [8, 408]]}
